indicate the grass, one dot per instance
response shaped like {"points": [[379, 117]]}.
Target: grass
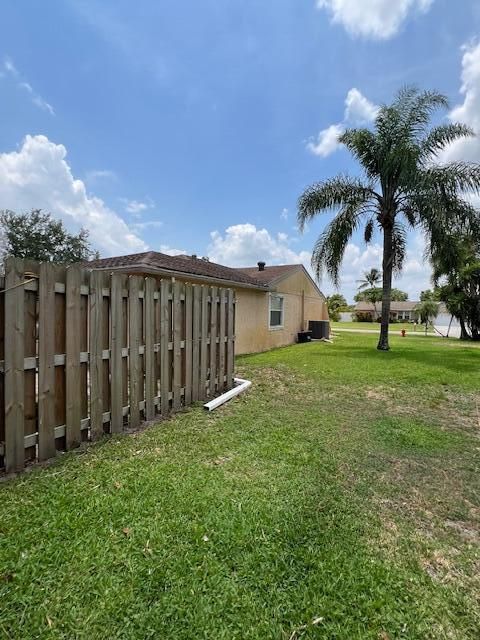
{"points": [[395, 327], [337, 499]]}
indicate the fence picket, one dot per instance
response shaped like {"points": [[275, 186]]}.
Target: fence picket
{"points": [[221, 340], [149, 357], [46, 362], [116, 359], [96, 323], [72, 360], [196, 342], [230, 338], [134, 327], [213, 342], [164, 339], [188, 343], [14, 365]]}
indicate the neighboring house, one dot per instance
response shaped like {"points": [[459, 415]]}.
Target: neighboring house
{"points": [[273, 303], [402, 311]]}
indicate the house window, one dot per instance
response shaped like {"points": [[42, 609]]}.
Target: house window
{"points": [[276, 311]]}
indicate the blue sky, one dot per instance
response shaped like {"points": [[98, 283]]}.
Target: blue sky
{"points": [[194, 126]]}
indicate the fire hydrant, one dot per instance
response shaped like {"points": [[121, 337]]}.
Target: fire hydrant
{"points": [[403, 332]]}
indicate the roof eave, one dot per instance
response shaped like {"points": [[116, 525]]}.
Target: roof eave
{"points": [[144, 268]]}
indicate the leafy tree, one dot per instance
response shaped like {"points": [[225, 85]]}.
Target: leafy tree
{"points": [[428, 294], [336, 302], [38, 236], [396, 295], [370, 279], [426, 311], [402, 187], [456, 262]]}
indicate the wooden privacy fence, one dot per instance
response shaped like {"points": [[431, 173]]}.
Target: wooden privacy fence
{"points": [[85, 353]]}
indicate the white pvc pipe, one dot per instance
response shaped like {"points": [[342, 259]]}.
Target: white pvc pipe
{"points": [[240, 386]]}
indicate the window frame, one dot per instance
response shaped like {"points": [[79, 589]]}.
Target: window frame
{"points": [[276, 327]]}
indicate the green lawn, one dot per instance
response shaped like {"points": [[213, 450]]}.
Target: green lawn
{"points": [[394, 327], [338, 499]]}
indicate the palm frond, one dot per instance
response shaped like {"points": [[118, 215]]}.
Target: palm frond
{"points": [[330, 247], [341, 191], [450, 179], [362, 144], [440, 137]]}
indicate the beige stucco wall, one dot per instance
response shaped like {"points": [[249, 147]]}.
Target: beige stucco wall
{"points": [[252, 314]]}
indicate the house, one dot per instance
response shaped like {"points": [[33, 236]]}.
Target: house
{"points": [[273, 303], [401, 311]]}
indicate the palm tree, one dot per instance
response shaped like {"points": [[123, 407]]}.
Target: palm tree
{"points": [[402, 187], [370, 279], [456, 267], [426, 311]]}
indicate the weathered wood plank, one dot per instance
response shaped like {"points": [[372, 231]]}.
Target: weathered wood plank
{"points": [[164, 354], [84, 402], [203, 344], [116, 359], [149, 355], [134, 331], [96, 322], [177, 350], [213, 342], [231, 338], [14, 359], [72, 359], [46, 362], [106, 332], [196, 319], [221, 334], [60, 346], [188, 343], [30, 351], [2, 374]]}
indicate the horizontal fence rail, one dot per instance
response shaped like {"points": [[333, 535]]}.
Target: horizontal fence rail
{"points": [[84, 353]]}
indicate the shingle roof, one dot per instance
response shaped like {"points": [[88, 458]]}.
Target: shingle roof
{"points": [[407, 305], [155, 261], [269, 274]]}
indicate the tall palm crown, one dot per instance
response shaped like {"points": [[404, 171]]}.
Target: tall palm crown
{"points": [[402, 187], [370, 279]]}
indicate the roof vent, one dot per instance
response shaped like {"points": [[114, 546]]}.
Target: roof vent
{"points": [[261, 266], [194, 256]]}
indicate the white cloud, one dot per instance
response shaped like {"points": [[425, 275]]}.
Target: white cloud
{"points": [[327, 141], [12, 71], [415, 277], [136, 207], [284, 214], [468, 112], [359, 111], [98, 174], [164, 248], [243, 245], [38, 176], [376, 19], [150, 224]]}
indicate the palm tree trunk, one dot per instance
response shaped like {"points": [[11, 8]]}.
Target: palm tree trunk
{"points": [[464, 335], [387, 265]]}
